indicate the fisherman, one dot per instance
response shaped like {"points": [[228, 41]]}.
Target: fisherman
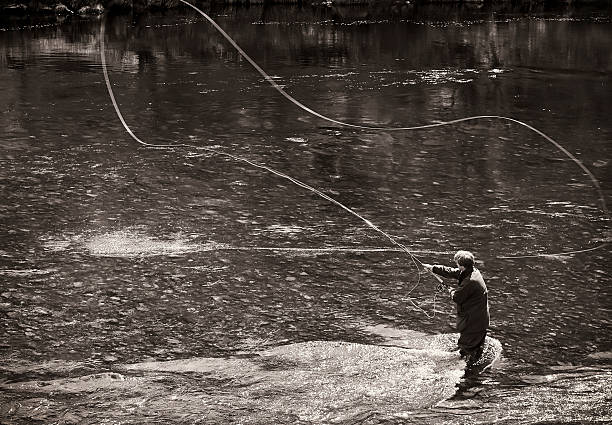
{"points": [[472, 303]]}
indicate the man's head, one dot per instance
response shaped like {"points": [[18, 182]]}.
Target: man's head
{"points": [[464, 259]]}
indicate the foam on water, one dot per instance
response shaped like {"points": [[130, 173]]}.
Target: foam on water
{"points": [[315, 381], [136, 242], [126, 243], [311, 382], [26, 272]]}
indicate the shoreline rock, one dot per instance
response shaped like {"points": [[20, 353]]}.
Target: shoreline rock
{"points": [[10, 8]]}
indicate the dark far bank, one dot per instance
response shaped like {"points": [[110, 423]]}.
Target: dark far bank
{"points": [[336, 9]]}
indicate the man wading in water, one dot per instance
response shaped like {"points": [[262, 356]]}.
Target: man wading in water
{"points": [[472, 303]]}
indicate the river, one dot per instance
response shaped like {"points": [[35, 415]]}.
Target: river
{"points": [[186, 285]]}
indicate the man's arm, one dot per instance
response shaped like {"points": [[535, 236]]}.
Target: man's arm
{"points": [[462, 293], [448, 272]]}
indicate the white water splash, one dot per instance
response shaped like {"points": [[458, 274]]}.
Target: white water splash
{"points": [[317, 382], [129, 243]]}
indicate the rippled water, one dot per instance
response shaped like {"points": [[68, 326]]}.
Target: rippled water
{"points": [[149, 285]]}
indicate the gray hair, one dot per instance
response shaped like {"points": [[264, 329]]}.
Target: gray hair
{"points": [[464, 258]]}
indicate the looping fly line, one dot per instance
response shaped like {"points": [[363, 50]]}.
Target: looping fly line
{"points": [[303, 185], [299, 104]]}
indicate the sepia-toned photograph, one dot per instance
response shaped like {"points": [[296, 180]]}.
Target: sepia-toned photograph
{"points": [[325, 212]]}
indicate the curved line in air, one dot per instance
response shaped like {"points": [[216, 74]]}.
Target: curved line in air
{"points": [[299, 104], [415, 260], [271, 81]]}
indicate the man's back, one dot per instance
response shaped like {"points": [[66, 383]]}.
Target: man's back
{"points": [[472, 301]]}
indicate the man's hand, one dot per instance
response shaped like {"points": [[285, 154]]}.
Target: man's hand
{"points": [[429, 268]]}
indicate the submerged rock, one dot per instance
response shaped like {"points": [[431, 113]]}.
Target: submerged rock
{"points": [[62, 9], [96, 9]]}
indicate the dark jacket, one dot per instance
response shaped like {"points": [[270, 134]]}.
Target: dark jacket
{"points": [[471, 297]]}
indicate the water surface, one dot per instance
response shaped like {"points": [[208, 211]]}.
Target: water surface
{"points": [[163, 277]]}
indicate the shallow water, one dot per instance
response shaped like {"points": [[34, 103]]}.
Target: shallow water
{"points": [[137, 284]]}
